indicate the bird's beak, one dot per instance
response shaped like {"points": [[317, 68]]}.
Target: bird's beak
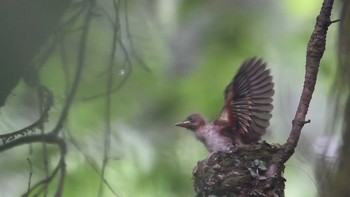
{"points": [[184, 124]]}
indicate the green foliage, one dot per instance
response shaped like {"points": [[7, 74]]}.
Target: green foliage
{"points": [[149, 156]]}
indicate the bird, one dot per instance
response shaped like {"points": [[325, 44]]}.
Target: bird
{"points": [[246, 112]]}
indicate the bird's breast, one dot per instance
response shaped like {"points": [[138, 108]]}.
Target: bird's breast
{"points": [[213, 138]]}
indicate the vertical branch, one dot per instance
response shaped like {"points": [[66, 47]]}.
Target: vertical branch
{"points": [[30, 174], [90, 161], [62, 166], [41, 127], [315, 50], [65, 66], [107, 133], [128, 33], [80, 66]]}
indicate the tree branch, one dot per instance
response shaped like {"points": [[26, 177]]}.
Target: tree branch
{"points": [[314, 53]]}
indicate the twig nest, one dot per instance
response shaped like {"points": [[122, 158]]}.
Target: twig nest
{"points": [[248, 170]]}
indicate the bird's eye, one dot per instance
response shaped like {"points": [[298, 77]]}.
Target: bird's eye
{"points": [[191, 119]]}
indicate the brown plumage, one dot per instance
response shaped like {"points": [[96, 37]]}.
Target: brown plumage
{"points": [[246, 112]]}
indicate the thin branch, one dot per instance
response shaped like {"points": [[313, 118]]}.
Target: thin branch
{"points": [[80, 66], [31, 128], [315, 51], [65, 66], [30, 173], [44, 181], [62, 166], [128, 33], [107, 133], [81, 7], [90, 161], [47, 138], [42, 129], [335, 21], [127, 65]]}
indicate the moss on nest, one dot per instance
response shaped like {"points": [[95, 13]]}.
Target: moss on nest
{"points": [[249, 170]]}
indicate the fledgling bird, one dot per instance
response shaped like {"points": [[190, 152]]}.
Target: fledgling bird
{"points": [[246, 112]]}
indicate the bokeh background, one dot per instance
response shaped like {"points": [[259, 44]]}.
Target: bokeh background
{"points": [[190, 50]]}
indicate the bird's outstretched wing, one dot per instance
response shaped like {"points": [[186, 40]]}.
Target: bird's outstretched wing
{"points": [[248, 101]]}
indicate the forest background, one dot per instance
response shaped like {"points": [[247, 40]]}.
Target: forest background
{"points": [[172, 58]]}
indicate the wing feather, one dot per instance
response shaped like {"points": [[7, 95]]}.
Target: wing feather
{"points": [[248, 100]]}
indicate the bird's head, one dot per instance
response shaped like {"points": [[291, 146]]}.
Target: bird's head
{"points": [[192, 122]]}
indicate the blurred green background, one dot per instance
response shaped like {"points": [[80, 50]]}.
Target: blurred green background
{"points": [[192, 50]]}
